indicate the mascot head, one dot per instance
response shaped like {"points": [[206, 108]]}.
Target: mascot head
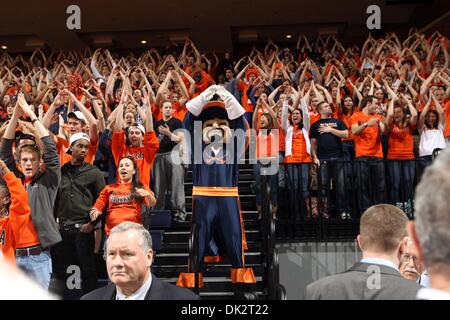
{"points": [[215, 123]]}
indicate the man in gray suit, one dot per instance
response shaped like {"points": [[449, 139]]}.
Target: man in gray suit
{"points": [[382, 240]]}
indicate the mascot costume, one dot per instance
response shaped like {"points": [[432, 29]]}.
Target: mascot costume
{"points": [[216, 213]]}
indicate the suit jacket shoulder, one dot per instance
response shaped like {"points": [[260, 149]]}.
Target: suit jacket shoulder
{"points": [[363, 282], [104, 293], [159, 290]]}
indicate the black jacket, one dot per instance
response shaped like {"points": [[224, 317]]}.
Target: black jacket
{"points": [[159, 290], [79, 188]]}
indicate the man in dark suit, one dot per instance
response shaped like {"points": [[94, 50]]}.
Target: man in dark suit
{"points": [[382, 240], [129, 256]]}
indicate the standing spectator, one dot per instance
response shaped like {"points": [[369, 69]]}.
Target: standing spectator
{"points": [[230, 82], [431, 126], [165, 171], [266, 155], [298, 153], [81, 184], [78, 121], [129, 257], [326, 137], [123, 201], [33, 254], [430, 230], [15, 213], [143, 143], [382, 240], [401, 165], [366, 128]]}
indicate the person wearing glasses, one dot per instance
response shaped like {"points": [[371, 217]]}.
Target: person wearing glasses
{"points": [[410, 266]]}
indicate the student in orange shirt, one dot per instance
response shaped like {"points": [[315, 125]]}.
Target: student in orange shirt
{"points": [[367, 127], [143, 143], [266, 154], [297, 154], [15, 213], [123, 201], [401, 168]]}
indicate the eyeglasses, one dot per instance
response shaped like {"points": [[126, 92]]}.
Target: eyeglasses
{"points": [[406, 258]]}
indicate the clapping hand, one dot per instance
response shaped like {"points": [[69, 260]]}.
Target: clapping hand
{"points": [[143, 193]]}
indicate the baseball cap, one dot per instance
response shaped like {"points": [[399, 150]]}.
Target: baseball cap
{"points": [[368, 65], [77, 114], [140, 127], [75, 137]]}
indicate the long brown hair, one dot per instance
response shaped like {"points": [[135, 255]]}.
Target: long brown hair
{"points": [[135, 180]]}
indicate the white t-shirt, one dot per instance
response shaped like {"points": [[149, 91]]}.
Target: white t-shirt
{"points": [[431, 139]]}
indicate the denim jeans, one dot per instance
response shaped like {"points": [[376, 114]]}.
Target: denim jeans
{"points": [[297, 188], [401, 180], [38, 267], [371, 181], [333, 169], [349, 173], [424, 162], [281, 171], [272, 179]]}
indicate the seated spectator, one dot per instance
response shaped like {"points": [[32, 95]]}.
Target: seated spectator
{"points": [[129, 257]]}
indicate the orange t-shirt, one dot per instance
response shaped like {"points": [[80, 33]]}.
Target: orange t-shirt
{"points": [[368, 142], [180, 111], [17, 230], [400, 142], [266, 145], [144, 156], [120, 206], [313, 117], [245, 101], [447, 119], [346, 120], [62, 145], [299, 151], [156, 112]]}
